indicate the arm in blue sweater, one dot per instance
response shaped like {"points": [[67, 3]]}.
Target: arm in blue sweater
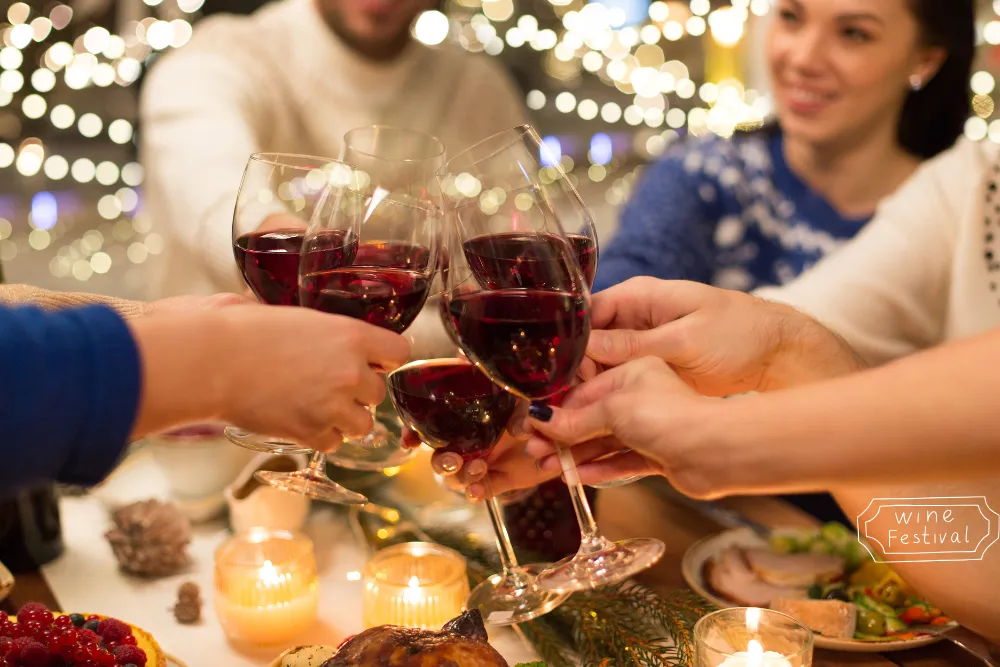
{"points": [[69, 393], [666, 229]]}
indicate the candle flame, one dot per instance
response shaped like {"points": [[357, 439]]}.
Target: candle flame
{"points": [[755, 654], [414, 582], [269, 574], [753, 619]]}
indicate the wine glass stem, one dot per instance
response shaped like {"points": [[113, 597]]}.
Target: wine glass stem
{"points": [[508, 559], [317, 464], [591, 540]]}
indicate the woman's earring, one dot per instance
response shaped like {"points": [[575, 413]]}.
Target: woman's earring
{"points": [[916, 83]]}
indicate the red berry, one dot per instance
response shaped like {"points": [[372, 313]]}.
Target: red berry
{"points": [[111, 629], [127, 641], [130, 655], [3, 616], [31, 628], [93, 617], [33, 654], [111, 646], [88, 637], [30, 608], [63, 622], [87, 663], [6, 644], [80, 653], [8, 629]]}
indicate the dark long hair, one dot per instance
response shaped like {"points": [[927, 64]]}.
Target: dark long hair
{"points": [[934, 116]]}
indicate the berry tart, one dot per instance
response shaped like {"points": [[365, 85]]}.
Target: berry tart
{"points": [[37, 637]]}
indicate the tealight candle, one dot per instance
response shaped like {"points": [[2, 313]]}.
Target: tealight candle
{"points": [[752, 637], [266, 586], [415, 585]]}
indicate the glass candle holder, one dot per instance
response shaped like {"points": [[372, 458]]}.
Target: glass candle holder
{"points": [[415, 585], [752, 637], [266, 586]]}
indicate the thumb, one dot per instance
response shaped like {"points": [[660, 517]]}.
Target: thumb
{"points": [[571, 426], [613, 347]]}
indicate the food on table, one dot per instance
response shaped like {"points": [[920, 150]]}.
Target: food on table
{"points": [[815, 576], [150, 538], [188, 607], [462, 641], [730, 576], [37, 637], [794, 569], [830, 618]]}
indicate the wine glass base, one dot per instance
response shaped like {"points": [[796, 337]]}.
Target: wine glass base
{"points": [[378, 450], [306, 483], [502, 604], [621, 561], [261, 443]]}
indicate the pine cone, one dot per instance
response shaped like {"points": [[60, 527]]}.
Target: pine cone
{"points": [[187, 613], [150, 538]]}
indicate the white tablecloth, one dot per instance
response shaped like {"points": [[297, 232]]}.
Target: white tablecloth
{"points": [[86, 578]]}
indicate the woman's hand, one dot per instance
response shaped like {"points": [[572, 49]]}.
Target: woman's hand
{"points": [[636, 419], [510, 468], [719, 342]]}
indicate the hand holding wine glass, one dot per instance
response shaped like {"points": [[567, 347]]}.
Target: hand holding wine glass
{"points": [[454, 408], [520, 306]]}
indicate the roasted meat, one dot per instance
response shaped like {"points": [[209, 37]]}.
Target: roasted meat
{"points": [[462, 642]]}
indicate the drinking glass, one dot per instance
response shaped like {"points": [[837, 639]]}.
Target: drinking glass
{"points": [[398, 164], [454, 407], [519, 301], [278, 196]]}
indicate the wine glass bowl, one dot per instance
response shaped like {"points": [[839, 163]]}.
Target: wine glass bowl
{"points": [[518, 296], [453, 407], [277, 196], [391, 193]]}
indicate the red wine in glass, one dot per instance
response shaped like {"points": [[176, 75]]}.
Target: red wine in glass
{"points": [[530, 340], [452, 406], [386, 297], [528, 260], [270, 261], [393, 255]]}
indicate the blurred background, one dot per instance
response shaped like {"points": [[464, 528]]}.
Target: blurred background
{"points": [[610, 83]]}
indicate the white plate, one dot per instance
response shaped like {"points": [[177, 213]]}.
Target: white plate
{"points": [[693, 567]]}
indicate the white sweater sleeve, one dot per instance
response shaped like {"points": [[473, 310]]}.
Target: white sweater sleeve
{"points": [[200, 114], [886, 291]]}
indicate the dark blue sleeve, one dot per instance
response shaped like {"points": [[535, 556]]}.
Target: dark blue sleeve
{"points": [[69, 393], [665, 231]]}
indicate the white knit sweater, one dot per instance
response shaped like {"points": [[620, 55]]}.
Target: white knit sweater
{"points": [[279, 80], [926, 270]]}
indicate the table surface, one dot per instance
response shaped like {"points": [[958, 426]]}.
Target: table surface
{"points": [[636, 511]]}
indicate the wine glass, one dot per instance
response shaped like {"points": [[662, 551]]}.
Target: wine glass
{"points": [[452, 406], [521, 309], [402, 163], [278, 195]]}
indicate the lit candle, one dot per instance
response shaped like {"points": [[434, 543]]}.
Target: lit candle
{"points": [[756, 656], [266, 586], [415, 585], [752, 637]]}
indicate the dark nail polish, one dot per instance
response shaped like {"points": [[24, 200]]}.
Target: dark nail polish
{"points": [[542, 413]]}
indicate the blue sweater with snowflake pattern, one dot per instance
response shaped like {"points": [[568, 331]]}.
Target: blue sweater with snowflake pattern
{"points": [[727, 212]]}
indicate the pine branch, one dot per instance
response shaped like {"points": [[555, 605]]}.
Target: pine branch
{"points": [[548, 642]]}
